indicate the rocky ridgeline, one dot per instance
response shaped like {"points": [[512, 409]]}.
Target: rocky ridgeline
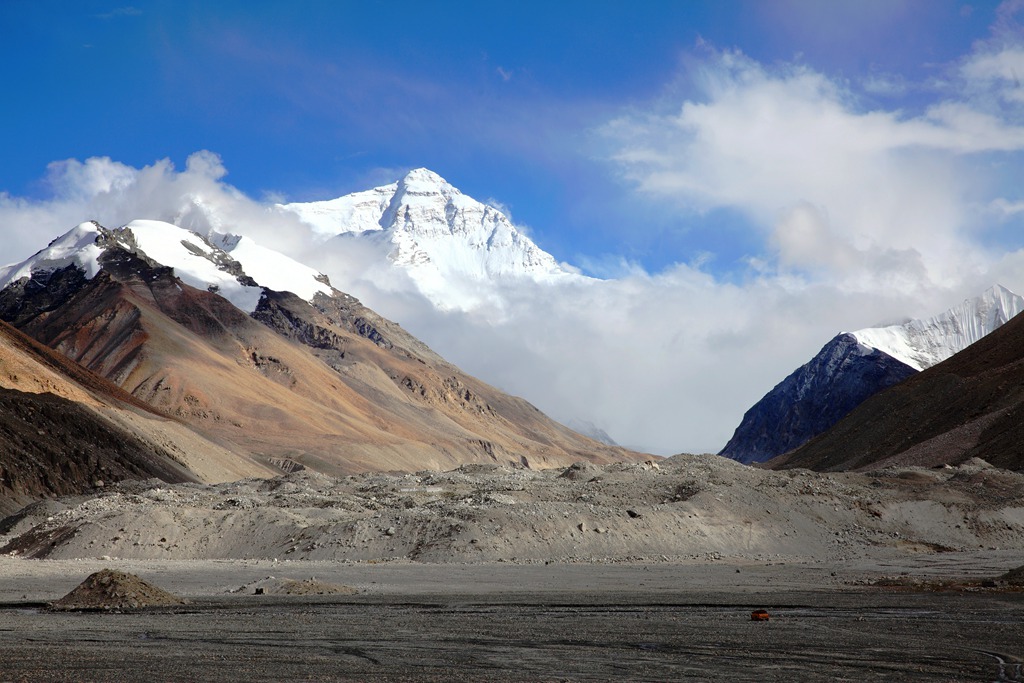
{"points": [[681, 509], [814, 397]]}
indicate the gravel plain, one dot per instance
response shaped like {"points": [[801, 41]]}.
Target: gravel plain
{"points": [[505, 622], [621, 572]]}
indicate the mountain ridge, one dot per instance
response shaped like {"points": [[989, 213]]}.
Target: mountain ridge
{"points": [[306, 376], [968, 406], [449, 243], [923, 343], [854, 366]]}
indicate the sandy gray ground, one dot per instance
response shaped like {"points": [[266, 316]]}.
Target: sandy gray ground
{"points": [[680, 509], [624, 572], [505, 622]]}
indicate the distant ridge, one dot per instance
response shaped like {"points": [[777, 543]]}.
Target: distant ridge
{"points": [[856, 365], [968, 406]]}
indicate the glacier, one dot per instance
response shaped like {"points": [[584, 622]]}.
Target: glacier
{"points": [[924, 343]]}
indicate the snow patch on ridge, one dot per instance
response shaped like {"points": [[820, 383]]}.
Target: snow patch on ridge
{"points": [[76, 247], [193, 260], [198, 262], [272, 269], [924, 343]]}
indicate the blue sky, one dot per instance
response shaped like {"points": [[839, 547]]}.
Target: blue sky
{"points": [[309, 100], [750, 177]]}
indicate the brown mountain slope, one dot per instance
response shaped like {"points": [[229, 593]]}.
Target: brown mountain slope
{"points": [[971, 405], [63, 429], [335, 388]]}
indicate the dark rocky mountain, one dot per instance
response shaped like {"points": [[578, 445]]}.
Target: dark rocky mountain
{"points": [[323, 382], [50, 446], [856, 365], [969, 406], [812, 399]]}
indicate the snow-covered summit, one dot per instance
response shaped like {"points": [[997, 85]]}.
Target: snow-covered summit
{"points": [[436, 233], [75, 247], [924, 343], [234, 267]]}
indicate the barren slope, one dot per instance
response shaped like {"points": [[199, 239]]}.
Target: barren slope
{"points": [[335, 387], [63, 430], [967, 406]]}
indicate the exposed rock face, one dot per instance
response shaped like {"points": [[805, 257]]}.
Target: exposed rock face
{"points": [[856, 365], [968, 406], [812, 399], [27, 298]]}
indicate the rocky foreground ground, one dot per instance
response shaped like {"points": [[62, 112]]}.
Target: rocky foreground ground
{"points": [[491, 621], [680, 509], [645, 572]]}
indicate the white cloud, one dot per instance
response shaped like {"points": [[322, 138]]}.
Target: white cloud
{"points": [[998, 69], [1006, 208], [773, 142], [996, 66], [74, 180], [665, 363], [885, 85]]}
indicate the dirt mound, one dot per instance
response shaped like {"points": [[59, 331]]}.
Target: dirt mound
{"points": [[1014, 577], [310, 586], [581, 471], [109, 589]]}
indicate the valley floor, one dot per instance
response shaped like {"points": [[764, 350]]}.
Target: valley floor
{"points": [[498, 621], [640, 572]]}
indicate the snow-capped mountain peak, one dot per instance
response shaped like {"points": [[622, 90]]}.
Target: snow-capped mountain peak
{"points": [[449, 243], [924, 343], [75, 247], [234, 267], [423, 181]]}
